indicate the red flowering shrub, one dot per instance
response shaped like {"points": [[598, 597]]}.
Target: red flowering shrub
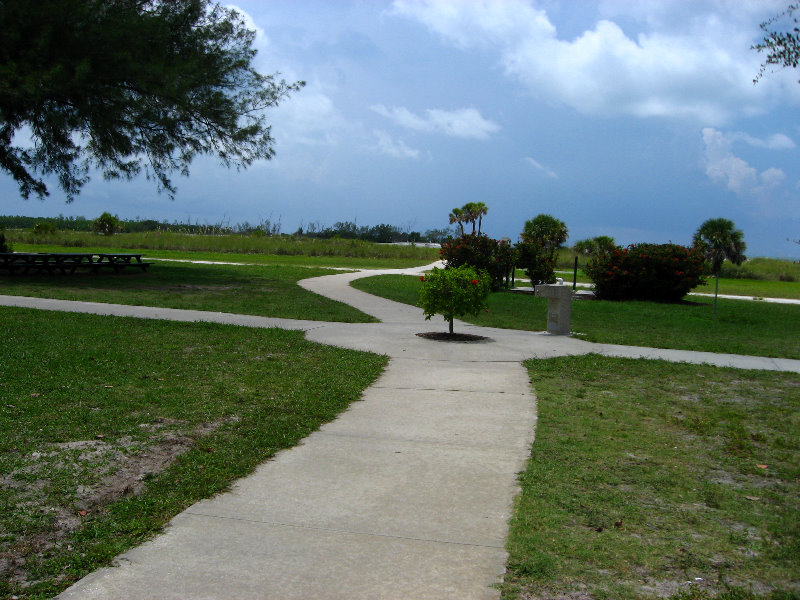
{"points": [[479, 251], [658, 272], [454, 292]]}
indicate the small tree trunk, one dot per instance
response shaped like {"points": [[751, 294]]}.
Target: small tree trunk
{"points": [[716, 291], [451, 325]]}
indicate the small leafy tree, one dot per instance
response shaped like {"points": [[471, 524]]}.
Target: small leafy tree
{"points": [[454, 292], [106, 224], [5, 245], [542, 236]]}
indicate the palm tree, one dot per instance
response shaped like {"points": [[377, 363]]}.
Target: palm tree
{"points": [[458, 217], [480, 209], [719, 240], [470, 213]]}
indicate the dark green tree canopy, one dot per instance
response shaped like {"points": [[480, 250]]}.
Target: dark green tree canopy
{"points": [[127, 85], [546, 230], [719, 240], [781, 40]]}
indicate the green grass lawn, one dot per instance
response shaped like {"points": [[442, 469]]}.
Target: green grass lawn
{"points": [[742, 327], [759, 288], [753, 287], [647, 475], [148, 417], [270, 291]]}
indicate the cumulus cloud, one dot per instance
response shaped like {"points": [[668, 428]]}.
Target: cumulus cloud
{"points": [[661, 72], [386, 145], [310, 118], [462, 123], [541, 168], [777, 141], [724, 167]]}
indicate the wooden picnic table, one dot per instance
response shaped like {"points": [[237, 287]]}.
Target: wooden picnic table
{"points": [[118, 262], [67, 262]]}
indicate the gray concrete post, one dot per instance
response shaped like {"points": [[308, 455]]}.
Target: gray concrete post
{"points": [[559, 307]]}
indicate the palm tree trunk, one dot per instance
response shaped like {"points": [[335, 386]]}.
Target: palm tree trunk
{"points": [[716, 291]]}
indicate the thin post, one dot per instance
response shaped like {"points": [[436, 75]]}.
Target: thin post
{"points": [[716, 291], [575, 274]]}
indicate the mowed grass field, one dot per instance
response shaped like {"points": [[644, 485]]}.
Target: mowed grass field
{"points": [[646, 480], [267, 290], [650, 480], [110, 426], [741, 327]]}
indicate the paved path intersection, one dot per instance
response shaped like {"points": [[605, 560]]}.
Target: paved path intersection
{"points": [[406, 495]]}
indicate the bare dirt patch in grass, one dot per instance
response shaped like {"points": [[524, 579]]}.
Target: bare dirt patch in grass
{"points": [[108, 470]]}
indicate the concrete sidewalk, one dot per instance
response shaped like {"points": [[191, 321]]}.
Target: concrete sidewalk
{"points": [[406, 495]]}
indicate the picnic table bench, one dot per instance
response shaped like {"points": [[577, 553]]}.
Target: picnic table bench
{"points": [[118, 262], [67, 262]]}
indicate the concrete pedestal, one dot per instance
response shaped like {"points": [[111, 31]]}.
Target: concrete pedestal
{"points": [[559, 307]]}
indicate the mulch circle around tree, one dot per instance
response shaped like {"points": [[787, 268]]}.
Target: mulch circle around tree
{"points": [[443, 336]]}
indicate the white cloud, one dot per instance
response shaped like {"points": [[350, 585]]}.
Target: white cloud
{"points": [[777, 141], [724, 167], [702, 71], [462, 123], [540, 167], [477, 22], [386, 145], [309, 118]]}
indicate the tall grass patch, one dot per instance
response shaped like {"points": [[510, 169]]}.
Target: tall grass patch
{"points": [[278, 245]]}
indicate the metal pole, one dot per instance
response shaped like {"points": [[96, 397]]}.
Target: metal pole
{"points": [[575, 274]]}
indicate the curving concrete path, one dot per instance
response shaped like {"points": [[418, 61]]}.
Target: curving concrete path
{"points": [[405, 495]]}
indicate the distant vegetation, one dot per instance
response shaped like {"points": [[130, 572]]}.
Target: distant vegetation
{"points": [[381, 234], [278, 245], [344, 239]]}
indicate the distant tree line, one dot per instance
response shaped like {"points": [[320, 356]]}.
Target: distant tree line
{"points": [[381, 234]]}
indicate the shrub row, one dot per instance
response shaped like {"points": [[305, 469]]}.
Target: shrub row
{"points": [[496, 257], [660, 272]]}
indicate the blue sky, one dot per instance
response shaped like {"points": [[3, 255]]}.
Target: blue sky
{"points": [[637, 119]]}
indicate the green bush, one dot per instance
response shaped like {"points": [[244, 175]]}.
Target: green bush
{"points": [[106, 224], [496, 257], [454, 292], [44, 228], [5, 245], [658, 272], [537, 260]]}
